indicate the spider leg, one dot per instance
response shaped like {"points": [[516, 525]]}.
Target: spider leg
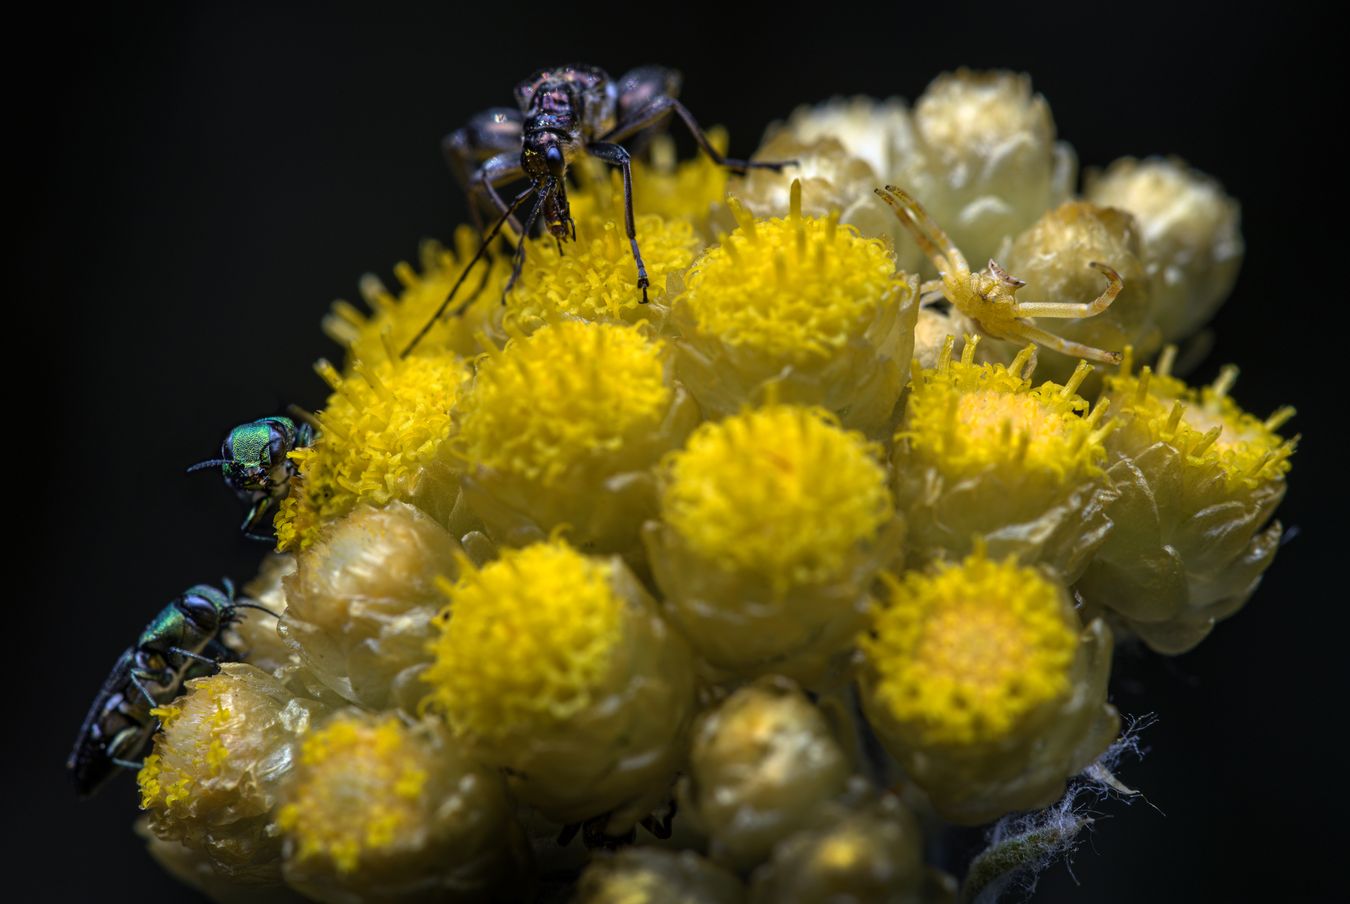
{"points": [[931, 292], [1059, 344], [616, 155], [1076, 309], [656, 109], [934, 242]]}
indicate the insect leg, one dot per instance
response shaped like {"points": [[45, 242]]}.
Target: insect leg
{"points": [[482, 249], [616, 155], [255, 517], [489, 133], [664, 106], [483, 188], [518, 259], [188, 654], [136, 677], [127, 764]]}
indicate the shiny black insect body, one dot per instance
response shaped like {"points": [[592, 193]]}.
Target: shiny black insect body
{"points": [[563, 112], [254, 460], [182, 642]]}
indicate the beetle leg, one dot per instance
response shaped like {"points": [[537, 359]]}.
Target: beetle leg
{"points": [[616, 155], [255, 518], [483, 188], [127, 764], [661, 107], [188, 654], [136, 677]]}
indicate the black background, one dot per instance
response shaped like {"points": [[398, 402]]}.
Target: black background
{"points": [[195, 185]]}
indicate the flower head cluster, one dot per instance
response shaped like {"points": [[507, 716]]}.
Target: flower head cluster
{"points": [[755, 564]]}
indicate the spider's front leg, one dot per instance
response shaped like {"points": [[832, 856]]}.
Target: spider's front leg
{"points": [[1024, 330], [1076, 309], [616, 155], [935, 243]]}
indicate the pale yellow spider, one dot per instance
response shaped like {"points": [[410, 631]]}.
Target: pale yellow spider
{"points": [[987, 297]]}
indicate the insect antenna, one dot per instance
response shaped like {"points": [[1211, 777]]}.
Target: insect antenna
{"points": [[258, 607], [209, 463], [478, 255]]}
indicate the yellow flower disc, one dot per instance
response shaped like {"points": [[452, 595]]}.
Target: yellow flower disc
{"points": [[382, 426], [783, 492], [1205, 425], [358, 791], [567, 392], [966, 418], [797, 288], [190, 748], [963, 654], [526, 641], [595, 277]]}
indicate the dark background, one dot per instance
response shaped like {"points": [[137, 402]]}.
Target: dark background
{"points": [[196, 185]]}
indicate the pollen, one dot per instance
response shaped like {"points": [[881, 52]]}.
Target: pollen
{"points": [[799, 288], [384, 423], [967, 418], [396, 316], [190, 748], [526, 642], [782, 492], [964, 654], [357, 791], [1205, 424], [561, 395], [595, 277]]}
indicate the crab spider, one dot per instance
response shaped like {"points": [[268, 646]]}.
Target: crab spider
{"points": [[987, 297]]}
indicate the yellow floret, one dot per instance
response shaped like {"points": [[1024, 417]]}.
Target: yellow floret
{"points": [[525, 642], [782, 491], [396, 318], [382, 426], [966, 418], [359, 791], [595, 277], [1205, 424], [567, 392], [182, 759], [797, 287], [964, 653]]}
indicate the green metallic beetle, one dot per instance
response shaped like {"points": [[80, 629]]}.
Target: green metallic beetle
{"points": [[184, 641], [253, 460]]}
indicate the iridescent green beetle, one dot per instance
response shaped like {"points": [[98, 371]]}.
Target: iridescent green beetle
{"points": [[253, 460]]}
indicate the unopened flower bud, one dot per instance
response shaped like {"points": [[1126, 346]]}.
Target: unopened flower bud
{"points": [[643, 875]]}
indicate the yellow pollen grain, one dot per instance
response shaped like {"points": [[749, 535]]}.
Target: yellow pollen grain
{"points": [[564, 394], [782, 491], [798, 287], [382, 425], [357, 792], [964, 654], [526, 642]]}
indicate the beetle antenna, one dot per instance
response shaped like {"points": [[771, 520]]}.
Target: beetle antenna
{"points": [[482, 249], [209, 463], [256, 606]]}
